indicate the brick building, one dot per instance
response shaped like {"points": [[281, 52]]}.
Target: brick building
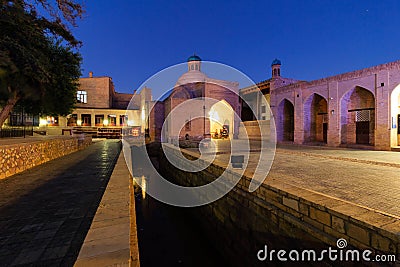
{"points": [[100, 108], [356, 108], [197, 107]]}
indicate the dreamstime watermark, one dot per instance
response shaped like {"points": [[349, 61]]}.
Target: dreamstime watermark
{"points": [[197, 107], [330, 254]]}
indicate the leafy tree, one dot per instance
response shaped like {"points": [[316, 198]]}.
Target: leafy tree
{"points": [[39, 67]]}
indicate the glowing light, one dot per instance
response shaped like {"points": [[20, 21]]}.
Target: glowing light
{"points": [[105, 122], [130, 123], [214, 115], [143, 114], [144, 184], [79, 122], [221, 113], [395, 111], [42, 122]]}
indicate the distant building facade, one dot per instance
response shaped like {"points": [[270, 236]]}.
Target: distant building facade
{"points": [[100, 106], [356, 108], [212, 105]]}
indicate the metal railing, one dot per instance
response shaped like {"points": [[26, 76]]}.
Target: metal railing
{"points": [[16, 131]]}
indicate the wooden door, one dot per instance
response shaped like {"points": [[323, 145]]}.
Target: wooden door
{"points": [[362, 132]]}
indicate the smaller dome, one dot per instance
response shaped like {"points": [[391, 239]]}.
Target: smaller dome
{"points": [[194, 58], [193, 76], [276, 62]]}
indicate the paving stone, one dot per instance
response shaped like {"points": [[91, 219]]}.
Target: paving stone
{"points": [[46, 212], [54, 253], [7, 259], [28, 256], [32, 227]]}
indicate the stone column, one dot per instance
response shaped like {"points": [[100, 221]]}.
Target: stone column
{"points": [[382, 111], [298, 117], [92, 119], [333, 114]]}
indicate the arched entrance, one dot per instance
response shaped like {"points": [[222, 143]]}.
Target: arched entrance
{"points": [[358, 117], [395, 117], [316, 119], [285, 126], [221, 115]]}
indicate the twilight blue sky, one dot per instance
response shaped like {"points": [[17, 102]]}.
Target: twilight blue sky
{"points": [[132, 40]]}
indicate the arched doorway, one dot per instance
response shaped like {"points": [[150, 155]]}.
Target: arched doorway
{"points": [[395, 117], [286, 121], [316, 119], [221, 115], [358, 117]]}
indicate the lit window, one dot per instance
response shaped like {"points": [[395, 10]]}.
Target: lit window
{"points": [[98, 120], [52, 121], [81, 97], [123, 119], [112, 120]]}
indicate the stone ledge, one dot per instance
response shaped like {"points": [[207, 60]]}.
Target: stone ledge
{"points": [[21, 155], [108, 240]]}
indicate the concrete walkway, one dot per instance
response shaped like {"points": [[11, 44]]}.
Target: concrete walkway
{"points": [[45, 212]]}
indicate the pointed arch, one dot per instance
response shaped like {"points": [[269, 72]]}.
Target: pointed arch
{"points": [[180, 92], [357, 116], [395, 117], [316, 119], [221, 114], [285, 125]]}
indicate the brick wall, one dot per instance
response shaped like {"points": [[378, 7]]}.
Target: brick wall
{"points": [[99, 92], [281, 216], [370, 87], [253, 129]]}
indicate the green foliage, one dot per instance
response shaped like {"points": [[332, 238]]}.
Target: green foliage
{"points": [[58, 95], [38, 61]]}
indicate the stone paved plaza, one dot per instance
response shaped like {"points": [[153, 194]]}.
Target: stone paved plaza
{"points": [[45, 212], [363, 177]]}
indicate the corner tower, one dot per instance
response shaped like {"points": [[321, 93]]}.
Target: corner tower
{"points": [[276, 68], [194, 63]]}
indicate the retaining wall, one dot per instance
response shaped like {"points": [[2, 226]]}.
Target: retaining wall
{"points": [[28, 153], [283, 216], [252, 129]]}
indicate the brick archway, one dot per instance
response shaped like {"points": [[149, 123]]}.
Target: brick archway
{"points": [[395, 117], [316, 119], [221, 116], [357, 120], [285, 125]]}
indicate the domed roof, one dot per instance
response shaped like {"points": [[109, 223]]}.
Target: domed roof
{"points": [[192, 76], [194, 58], [276, 62]]}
